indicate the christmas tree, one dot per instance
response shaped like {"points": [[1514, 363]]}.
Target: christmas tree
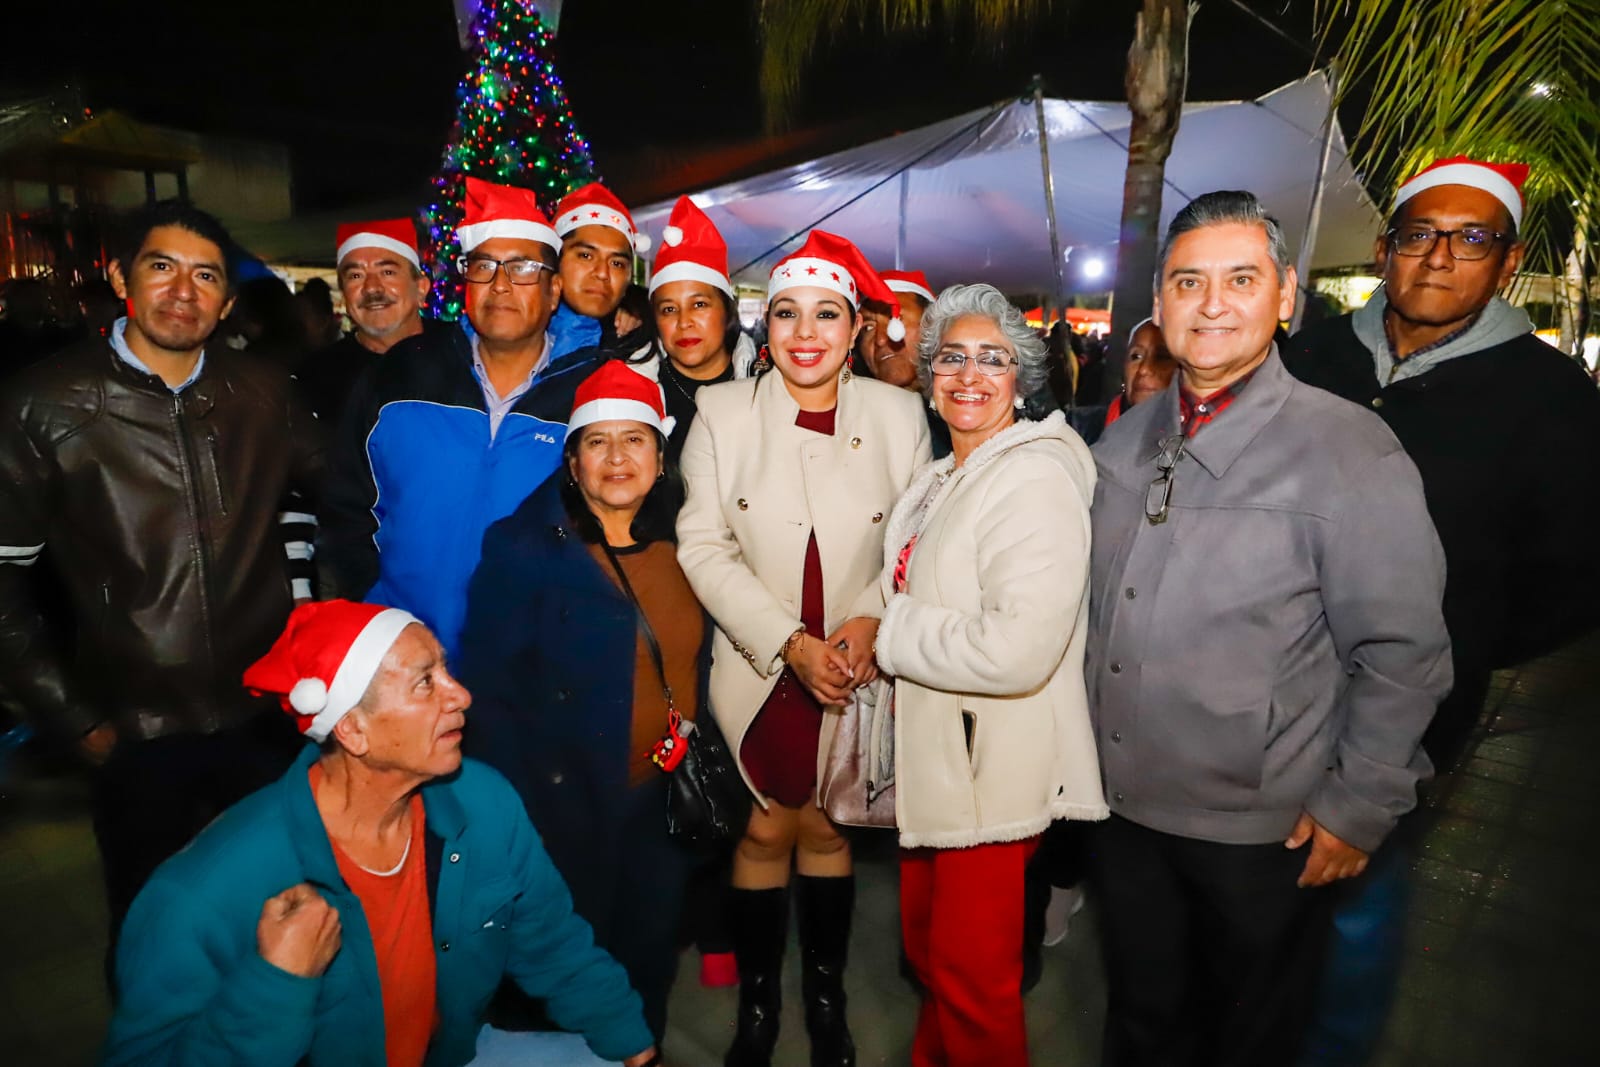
{"points": [[513, 126]]}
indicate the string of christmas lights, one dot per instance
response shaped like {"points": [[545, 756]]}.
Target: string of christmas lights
{"points": [[513, 126]]}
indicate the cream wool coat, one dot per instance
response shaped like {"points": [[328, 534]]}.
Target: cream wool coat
{"points": [[988, 642], [757, 487]]}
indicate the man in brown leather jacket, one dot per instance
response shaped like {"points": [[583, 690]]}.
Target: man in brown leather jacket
{"points": [[148, 471]]}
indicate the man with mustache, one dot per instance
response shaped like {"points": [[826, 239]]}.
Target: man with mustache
{"points": [[455, 428], [147, 470], [381, 279]]}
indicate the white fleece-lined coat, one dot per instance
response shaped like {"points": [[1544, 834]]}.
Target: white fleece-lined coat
{"points": [[757, 487], [992, 733]]}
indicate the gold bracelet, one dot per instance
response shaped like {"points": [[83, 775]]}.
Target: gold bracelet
{"points": [[796, 642]]}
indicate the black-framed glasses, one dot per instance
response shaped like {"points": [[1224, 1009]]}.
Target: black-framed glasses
{"points": [[1468, 242], [1158, 497], [990, 364], [480, 270]]}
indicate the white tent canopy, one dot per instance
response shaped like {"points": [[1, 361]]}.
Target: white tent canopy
{"points": [[973, 192]]}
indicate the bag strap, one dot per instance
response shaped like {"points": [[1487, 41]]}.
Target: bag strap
{"points": [[649, 634]]}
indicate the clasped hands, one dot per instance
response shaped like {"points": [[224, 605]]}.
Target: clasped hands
{"points": [[831, 669]]}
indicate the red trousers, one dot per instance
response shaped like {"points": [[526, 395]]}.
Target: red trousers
{"points": [[961, 912]]}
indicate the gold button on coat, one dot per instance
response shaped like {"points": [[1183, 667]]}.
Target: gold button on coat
{"points": [[744, 505], [878, 517], [855, 442]]}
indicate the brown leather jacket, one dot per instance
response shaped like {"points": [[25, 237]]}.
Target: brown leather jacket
{"points": [[158, 514]]}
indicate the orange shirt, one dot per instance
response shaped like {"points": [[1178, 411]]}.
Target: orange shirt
{"points": [[396, 908]]}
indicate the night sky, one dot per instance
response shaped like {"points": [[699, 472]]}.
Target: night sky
{"points": [[364, 93]]}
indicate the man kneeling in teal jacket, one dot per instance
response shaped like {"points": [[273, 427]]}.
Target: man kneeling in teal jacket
{"points": [[363, 909]]}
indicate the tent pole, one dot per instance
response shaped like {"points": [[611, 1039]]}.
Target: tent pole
{"points": [[900, 235], [1314, 215], [1049, 189]]}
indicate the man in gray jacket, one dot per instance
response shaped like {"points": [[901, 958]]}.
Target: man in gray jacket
{"points": [[1266, 648]]}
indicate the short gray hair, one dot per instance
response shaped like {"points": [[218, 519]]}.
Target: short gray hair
{"points": [[1033, 360], [1221, 208]]}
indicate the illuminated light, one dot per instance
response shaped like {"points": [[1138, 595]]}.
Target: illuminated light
{"points": [[1094, 268]]}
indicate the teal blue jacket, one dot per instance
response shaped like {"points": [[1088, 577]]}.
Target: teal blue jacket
{"points": [[193, 990]]}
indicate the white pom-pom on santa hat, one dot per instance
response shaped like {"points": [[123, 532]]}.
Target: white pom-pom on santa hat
{"points": [[896, 329], [641, 242], [309, 696], [672, 236]]}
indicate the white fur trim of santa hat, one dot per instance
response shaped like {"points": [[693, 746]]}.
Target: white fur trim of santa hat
{"points": [[1472, 175], [803, 270], [617, 409], [377, 240], [473, 234], [689, 271], [900, 285], [328, 703]]}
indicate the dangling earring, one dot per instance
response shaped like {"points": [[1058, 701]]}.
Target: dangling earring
{"points": [[849, 361], [763, 360], [1018, 403]]}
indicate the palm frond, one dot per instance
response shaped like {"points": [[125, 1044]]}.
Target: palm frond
{"points": [[1495, 79], [792, 30]]}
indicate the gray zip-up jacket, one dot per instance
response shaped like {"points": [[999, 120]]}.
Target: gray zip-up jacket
{"points": [[1277, 644]]}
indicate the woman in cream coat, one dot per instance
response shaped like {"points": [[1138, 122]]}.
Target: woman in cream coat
{"points": [[790, 479], [983, 631]]}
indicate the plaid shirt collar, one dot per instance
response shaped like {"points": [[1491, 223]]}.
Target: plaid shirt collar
{"points": [[1197, 411]]}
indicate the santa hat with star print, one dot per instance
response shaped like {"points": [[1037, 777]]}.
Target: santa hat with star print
{"points": [[502, 211], [909, 281], [392, 235], [619, 391], [595, 205], [1503, 181], [322, 663], [691, 250], [831, 262]]}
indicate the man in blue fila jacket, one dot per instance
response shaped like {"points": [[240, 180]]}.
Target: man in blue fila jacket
{"points": [[452, 430]]}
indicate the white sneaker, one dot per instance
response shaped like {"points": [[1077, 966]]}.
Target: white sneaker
{"points": [[1064, 904]]}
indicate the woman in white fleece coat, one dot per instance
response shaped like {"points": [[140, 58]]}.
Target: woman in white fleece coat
{"points": [[983, 630]]}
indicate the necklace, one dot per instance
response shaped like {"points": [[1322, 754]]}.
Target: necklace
{"points": [[671, 374], [391, 872]]}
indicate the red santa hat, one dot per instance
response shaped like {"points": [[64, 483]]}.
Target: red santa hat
{"points": [[595, 205], [619, 390], [1503, 181], [393, 235], [909, 281], [322, 663], [831, 262], [502, 211], [691, 250]]}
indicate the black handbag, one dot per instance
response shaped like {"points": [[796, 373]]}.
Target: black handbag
{"points": [[708, 805]]}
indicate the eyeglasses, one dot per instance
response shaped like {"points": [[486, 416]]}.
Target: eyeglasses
{"points": [[990, 364], [480, 270], [1159, 495], [1469, 242]]}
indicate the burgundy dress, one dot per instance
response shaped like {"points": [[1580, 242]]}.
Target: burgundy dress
{"points": [[780, 747]]}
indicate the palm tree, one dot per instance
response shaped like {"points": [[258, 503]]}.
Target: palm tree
{"points": [[1156, 78], [1495, 79]]}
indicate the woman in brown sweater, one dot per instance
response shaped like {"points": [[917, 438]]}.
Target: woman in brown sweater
{"points": [[569, 699]]}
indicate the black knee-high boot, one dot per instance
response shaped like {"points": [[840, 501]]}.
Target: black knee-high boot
{"points": [[760, 922], [825, 906]]}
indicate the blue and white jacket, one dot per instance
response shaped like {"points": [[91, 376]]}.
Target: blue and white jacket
{"points": [[416, 478]]}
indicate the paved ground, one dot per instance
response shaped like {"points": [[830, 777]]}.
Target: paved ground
{"points": [[1500, 969]]}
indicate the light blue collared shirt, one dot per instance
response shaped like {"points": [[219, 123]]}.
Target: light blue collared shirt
{"points": [[500, 406], [119, 345]]}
